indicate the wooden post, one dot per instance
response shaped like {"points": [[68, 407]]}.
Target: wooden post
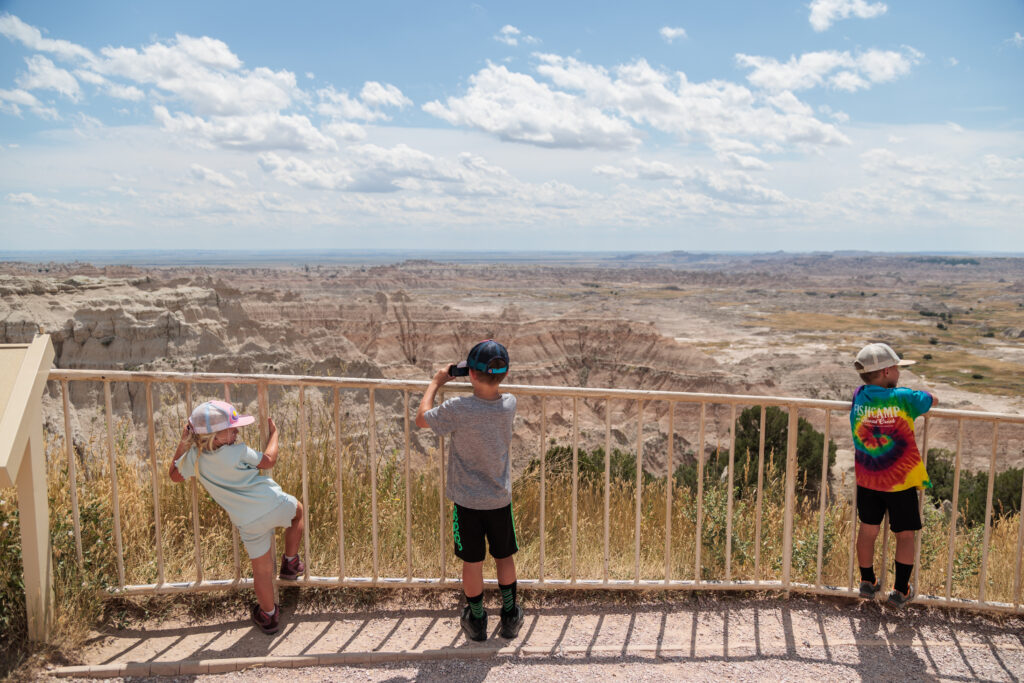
{"points": [[34, 518]]}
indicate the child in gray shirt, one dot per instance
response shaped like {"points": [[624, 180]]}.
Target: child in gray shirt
{"points": [[479, 480]]}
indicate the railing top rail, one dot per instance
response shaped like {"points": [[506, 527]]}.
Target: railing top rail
{"points": [[520, 389]]}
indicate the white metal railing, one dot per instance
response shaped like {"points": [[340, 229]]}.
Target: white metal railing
{"points": [[641, 398]]}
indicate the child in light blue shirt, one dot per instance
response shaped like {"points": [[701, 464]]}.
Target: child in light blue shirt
{"points": [[230, 472]]}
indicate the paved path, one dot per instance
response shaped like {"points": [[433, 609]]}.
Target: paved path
{"points": [[577, 637]]}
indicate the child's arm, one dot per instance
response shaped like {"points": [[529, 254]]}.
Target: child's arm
{"points": [[427, 402], [183, 445], [270, 454]]}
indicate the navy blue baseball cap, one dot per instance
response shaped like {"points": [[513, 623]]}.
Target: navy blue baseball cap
{"points": [[488, 356]]}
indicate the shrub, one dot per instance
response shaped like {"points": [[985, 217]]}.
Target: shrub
{"points": [[973, 488], [810, 444]]}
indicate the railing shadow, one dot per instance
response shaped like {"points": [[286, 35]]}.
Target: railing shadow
{"points": [[864, 639]]}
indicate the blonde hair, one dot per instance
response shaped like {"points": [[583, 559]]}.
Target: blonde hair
{"points": [[205, 442]]}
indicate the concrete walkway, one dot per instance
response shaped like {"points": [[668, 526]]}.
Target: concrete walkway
{"points": [[686, 635]]}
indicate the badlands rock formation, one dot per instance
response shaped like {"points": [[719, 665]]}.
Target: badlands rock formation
{"points": [[677, 323]]}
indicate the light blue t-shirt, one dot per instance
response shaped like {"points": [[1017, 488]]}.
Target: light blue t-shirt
{"points": [[232, 479]]}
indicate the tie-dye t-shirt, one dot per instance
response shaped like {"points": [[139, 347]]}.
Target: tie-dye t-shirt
{"points": [[885, 452]]}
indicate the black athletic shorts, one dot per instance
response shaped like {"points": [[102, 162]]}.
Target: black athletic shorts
{"points": [[470, 527], [904, 514]]}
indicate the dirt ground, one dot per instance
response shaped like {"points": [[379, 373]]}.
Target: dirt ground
{"points": [[574, 636]]}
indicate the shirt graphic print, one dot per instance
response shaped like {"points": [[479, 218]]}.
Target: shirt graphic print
{"points": [[885, 451]]}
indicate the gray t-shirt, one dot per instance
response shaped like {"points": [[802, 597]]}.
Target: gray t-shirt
{"points": [[479, 467]]}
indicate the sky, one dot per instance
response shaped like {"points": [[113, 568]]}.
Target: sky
{"points": [[485, 126]]}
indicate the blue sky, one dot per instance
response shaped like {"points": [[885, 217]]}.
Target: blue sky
{"points": [[829, 124]]}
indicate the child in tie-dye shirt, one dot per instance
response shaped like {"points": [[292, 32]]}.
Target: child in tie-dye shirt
{"points": [[888, 465]]}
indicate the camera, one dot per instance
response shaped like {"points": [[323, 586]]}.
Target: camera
{"points": [[458, 370]]}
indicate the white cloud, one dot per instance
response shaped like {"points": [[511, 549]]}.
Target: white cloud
{"points": [[669, 33], [952, 61], [733, 187], [341, 106], [826, 12], [1017, 39], [839, 70], [203, 74], [1003, 168], [11, 102], [42, 74], [208, 175], [713, 111], [517, 108], [32, 38], [510, 35], [258, 131], [376, 94], [24, 198], [115, 90]]}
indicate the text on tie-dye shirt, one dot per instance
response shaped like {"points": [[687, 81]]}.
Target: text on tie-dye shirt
{"points": [[885, 451]]}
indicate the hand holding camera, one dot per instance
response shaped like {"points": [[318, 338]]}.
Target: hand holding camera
{"points": [[459, 369]]}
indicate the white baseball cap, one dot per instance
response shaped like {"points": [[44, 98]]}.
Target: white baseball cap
{"points": [[878, 356], [213, 416]]}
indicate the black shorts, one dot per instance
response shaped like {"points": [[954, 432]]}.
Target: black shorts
{"points": [[904, 514], [470, 527]]}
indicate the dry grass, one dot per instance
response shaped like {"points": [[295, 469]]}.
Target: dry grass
{"points": [[84, 600]]}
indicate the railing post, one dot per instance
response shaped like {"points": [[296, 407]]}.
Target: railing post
{"points": [[408, 489], [639, 487], [575, 481], [699, 532], [953, 513], [193, 490], [760, 499], [114, 502], [341, 498], [73, 477], [1020, 549], [787, 529], [920, 499], [669, 480], [607, 484], [730, 494], [155, 471], [823, 491], [983, 578], [372, 447], [543, 484], [305, 480], [234, 530]]}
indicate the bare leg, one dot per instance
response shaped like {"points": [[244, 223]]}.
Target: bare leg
{"points": [[263, 580], [866, 544], [506, 570], [473, 578], [293, 534], [905, 547]]}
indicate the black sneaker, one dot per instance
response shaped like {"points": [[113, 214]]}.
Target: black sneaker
{"points": [[898, 599], [266, 623], [474, 628], [511, 622]]}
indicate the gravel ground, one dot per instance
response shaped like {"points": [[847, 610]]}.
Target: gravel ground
{"points": [[583, 637]]}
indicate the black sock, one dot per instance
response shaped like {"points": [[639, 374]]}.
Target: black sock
{"points": [[902, 582], [867, 574], [508, 597], [476, 605]]}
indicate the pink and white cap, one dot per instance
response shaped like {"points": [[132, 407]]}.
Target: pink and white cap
{"points": [[213, 416]]}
